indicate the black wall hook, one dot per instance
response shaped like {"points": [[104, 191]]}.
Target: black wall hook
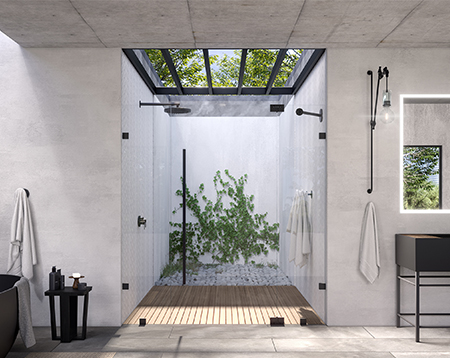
{"points": [[27, 191]]}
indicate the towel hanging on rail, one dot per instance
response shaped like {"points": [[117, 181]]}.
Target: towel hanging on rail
{"points": [[300, 228], [292, 226]]}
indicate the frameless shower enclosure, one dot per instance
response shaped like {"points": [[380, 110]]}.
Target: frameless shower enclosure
{"points": [[246, 157]]}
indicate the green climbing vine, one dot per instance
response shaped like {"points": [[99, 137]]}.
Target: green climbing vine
{"points": [[226, 228]]}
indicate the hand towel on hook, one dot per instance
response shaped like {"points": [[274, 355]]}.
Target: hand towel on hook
{"points": [[369, 251]]}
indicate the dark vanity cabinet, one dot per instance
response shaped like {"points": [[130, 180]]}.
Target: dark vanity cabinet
{"points": [[421, 253]]}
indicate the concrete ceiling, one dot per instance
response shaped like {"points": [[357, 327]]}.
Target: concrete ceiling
{"points": [[226, 23]]}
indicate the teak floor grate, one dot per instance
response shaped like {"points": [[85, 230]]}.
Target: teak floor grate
{"points": [[223, 305]]}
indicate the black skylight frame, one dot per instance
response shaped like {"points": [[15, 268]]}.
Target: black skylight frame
{"points": [[239, 90]]}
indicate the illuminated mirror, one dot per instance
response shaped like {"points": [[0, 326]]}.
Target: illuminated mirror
{"points": [[425, 140]]}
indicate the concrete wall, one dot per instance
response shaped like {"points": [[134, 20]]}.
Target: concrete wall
{"points": [[351, 300], [303, 167], [247, 145], [60, 118]]}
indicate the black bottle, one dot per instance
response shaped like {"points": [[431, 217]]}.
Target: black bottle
{"points": [[58, 280], [52, 279]]}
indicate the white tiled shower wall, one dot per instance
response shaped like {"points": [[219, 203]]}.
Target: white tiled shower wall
{"points": [[145, 188]]}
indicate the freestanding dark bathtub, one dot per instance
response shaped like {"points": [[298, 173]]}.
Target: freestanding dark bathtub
{"points": [[9, 314]]}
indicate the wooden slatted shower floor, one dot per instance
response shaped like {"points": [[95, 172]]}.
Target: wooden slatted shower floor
{"points": [[223, 305]]}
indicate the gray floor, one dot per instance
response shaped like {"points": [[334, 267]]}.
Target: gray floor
{"points": [[224, 341]]}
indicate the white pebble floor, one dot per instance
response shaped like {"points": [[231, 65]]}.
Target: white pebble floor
{"points": [[229, 275]]}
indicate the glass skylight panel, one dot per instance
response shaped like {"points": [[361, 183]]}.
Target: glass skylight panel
{"points": [[189, 65], [258, 67], [225, 65], [287, 66]]}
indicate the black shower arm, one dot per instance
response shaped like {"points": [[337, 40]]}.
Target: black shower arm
{"points": [[173, 104]]}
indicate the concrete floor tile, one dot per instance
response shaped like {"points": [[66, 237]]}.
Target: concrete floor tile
{"points": [[407, 332], [248, 341], [421, 355], [265, 331], [152, 331], [141, 345], [138, 355], [96, 339], [44, 342], [17, 354], [227, 345], [181, 344], [361, 345], [278, 355]]}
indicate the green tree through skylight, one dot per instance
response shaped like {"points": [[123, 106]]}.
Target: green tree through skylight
{"points": [[190, 67]]}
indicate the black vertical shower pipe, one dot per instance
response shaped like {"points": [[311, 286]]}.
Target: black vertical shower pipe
{"points": [[372, 127], [373, 118], [184, 216]]}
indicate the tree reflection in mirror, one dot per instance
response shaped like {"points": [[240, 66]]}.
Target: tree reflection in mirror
{"points": [[422, 177]]}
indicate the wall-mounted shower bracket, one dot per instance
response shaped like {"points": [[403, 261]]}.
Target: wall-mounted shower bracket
{"points": [[300, 112], [142, 221]]}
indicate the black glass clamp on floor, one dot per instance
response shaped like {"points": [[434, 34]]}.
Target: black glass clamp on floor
{"points": [[68, 304]]}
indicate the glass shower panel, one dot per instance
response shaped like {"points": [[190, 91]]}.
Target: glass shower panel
{"points": [[303, 170], [230, 165], [161, 188]]}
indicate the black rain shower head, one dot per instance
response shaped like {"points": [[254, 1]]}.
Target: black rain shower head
{"points": [[177, 110], [174, 107]]}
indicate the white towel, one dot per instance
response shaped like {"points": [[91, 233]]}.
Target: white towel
{"points": [[25, 323], [291, 214], [293, 225], [299, 226], [22, 253], [369, 251], [303, 237]]}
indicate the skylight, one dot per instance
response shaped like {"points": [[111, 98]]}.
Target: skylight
{"points": [[257, 72], [220, 72]]}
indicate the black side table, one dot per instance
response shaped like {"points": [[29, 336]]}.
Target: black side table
{"points": [[68, 304]]}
